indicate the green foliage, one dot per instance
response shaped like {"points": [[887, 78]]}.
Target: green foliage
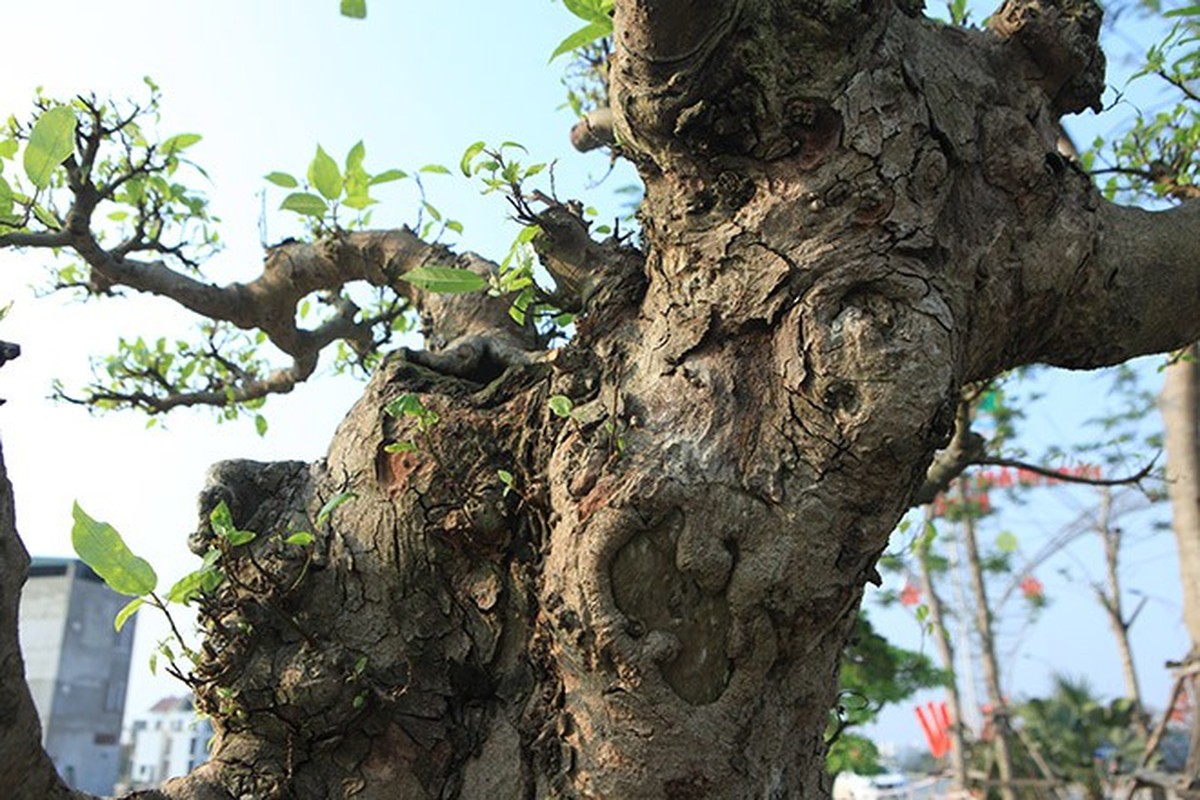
{"points": [[1071, 725], [1155, 158], [409, 405], [331, 505], [598, 16], [852, 752], [147, 374], [101, 547], [356, 9], [329, 188], [560, 405], [880, 672], [506, 478], [222, 525], [500, 171], [874, 673], [445, 280], [140, 186], [51, 141]]}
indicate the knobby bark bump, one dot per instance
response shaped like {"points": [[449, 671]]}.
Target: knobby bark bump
{"points": [[850, 213]]}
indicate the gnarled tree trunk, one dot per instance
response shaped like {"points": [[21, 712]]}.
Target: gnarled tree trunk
{"points": [[850, 213]]}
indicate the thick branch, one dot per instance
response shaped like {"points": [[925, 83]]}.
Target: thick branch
{"points": [[1060, 40], [292, 271], [730, 76], [1138, 293]]}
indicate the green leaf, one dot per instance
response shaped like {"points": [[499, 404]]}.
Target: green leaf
{"points": [[355, 9], [241, 537], [332, 504], [127, 611], [469, 156], [222, 525], [195, 583], [50, 142], [506, 477], [436, 169], [528, 234], [406, 404], [359, 202], [445, 280], [180, 141], [45, 217], [401, 447], [260, 424], [1006, 542], [388, 175], [304, 203], [6, 200], [282, 179], [8, 148], [561, 405], [100, 547], [1187, 11], [589, 33], [299, 538], [323, 173], [589, 10], [354, 158]]}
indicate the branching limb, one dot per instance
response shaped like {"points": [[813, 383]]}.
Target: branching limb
{"points": [[112, 165], [965, 449], [1066, 477], [1136, 294]]}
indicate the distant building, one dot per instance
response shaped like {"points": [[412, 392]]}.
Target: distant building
{"points": [[168, 742], [77, 667]]}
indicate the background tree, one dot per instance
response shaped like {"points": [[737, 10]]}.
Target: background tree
{"points": [[1155, 160], [1080, 737], [627, 567], [874, 673]]}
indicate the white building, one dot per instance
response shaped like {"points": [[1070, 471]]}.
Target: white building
{"points": [[77, 667], [168, 742]]}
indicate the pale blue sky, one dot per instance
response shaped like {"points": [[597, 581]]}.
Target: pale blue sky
{"points": [[264, 82]]}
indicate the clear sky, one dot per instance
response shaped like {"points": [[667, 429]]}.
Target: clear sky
{"points": [[264, 82]]}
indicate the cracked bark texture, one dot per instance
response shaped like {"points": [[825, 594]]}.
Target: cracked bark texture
{"points": [[850, 213]]}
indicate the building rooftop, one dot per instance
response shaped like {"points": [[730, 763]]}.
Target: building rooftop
{"points": [[47, 567], [170, 704]]}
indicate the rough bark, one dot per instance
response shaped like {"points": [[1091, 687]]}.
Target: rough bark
{"points": [[850, 213]]}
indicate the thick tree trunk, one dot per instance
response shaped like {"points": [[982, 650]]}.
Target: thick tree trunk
{"points": [[1180, 403], [850, 213]]}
